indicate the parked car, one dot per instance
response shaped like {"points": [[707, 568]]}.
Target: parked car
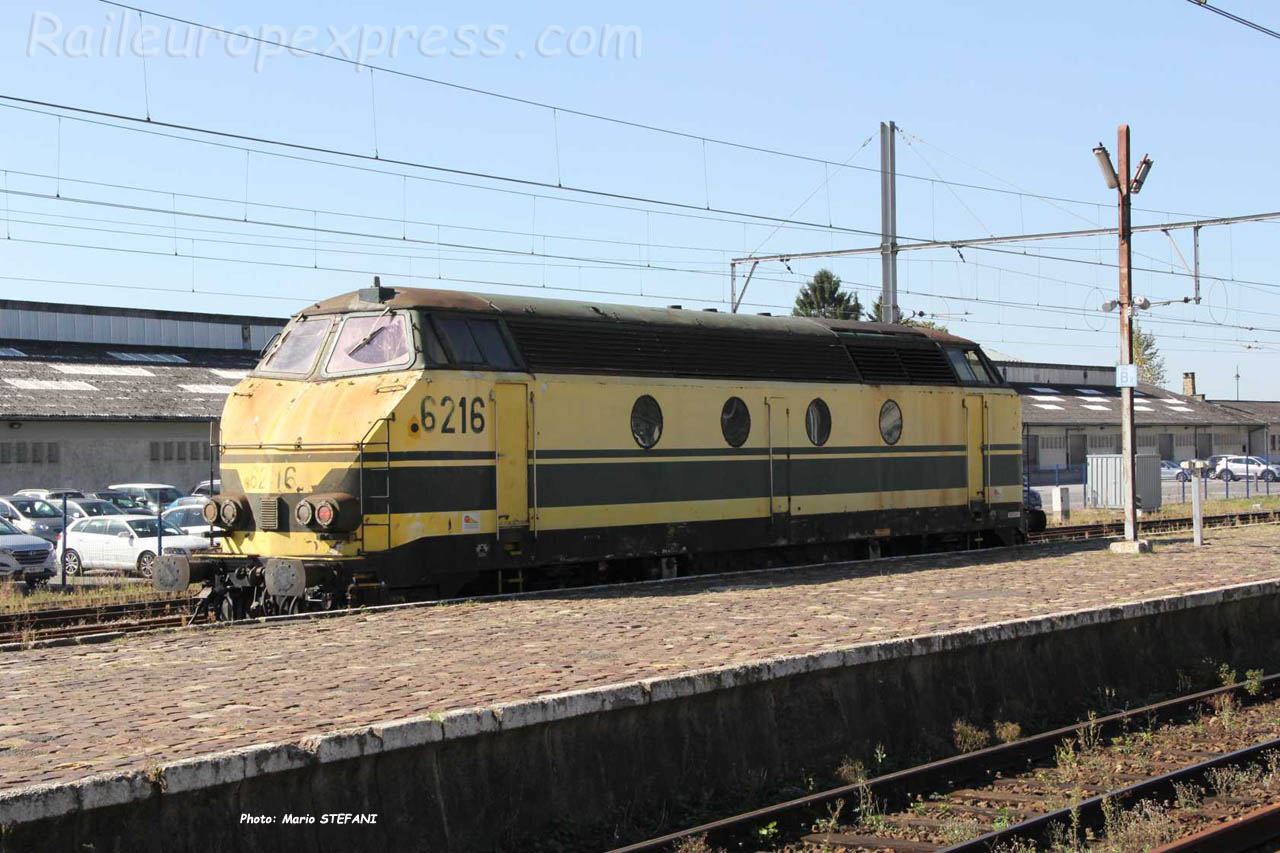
{"points": [[189, 518], [124, 542], [155, 496], [1173, 471], [91, 507], [24, 557], [1212, 465], [125, 503], [32, 516], [48, 494], [188, 500], [1235, 467], [206, 488]]}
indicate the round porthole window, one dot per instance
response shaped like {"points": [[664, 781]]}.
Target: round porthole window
{"points": [[646, 421], [817, 422], [735, 421], [890, 422]]}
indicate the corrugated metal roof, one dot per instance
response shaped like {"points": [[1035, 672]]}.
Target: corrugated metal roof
{"points": [[46, 321], [1054, 404], [1263, 411], [60, 381]]}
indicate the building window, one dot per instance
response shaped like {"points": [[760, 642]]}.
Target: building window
{"points": [[204, 452], [646, 421], [168, 451], [735, 421], [182, 451], [51, 452], [20, 452], [195, 451], [37, 452], [6, 453], [890, 422], [155, 451], [817, 422]]}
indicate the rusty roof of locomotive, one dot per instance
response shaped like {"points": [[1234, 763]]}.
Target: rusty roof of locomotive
{"points": [[567, 309]]}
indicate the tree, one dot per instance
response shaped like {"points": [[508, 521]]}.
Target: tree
{"points": [[1148, 358], [822, 297]]}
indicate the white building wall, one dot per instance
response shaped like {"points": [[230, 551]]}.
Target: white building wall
{"points": [[91, 455]]}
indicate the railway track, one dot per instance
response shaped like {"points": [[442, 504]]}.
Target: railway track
{"points": [[1074, 782], [129, 617], [133, 617], [1105, 530]]}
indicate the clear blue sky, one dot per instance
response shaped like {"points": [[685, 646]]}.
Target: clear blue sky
{"points": [[998, 94]]}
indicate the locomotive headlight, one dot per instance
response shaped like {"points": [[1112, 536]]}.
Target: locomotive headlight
{"points": [[229, 513], [326, 513], [209, 512], [304, 513]]}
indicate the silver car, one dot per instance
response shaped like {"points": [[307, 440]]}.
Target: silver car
{"points": [[32, 516], [24, 557]]}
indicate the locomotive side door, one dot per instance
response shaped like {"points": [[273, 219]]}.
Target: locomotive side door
{"points": [[975, 421], [511, 456], [779, 459]]}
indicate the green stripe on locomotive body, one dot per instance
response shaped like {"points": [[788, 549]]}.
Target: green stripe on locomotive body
{"points": [[454, 488]]}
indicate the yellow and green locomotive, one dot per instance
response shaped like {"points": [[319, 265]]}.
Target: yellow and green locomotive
{"points": [[399, 443]]}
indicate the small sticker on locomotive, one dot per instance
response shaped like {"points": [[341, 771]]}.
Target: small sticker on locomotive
{"points": [[470, 522]]}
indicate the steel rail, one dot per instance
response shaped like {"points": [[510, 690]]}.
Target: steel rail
{"points": [[950, 771], [1234, 836], [1089, 812]]}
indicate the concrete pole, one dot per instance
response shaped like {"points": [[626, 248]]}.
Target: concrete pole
{"points": [[1126, 339], [888, 225]]}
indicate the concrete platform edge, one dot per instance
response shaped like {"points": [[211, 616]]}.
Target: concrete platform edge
{"points": [[40, 802]]}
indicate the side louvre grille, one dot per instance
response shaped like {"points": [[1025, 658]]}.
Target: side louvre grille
{"points": [[882, 364], [268, 513], [553, 347]]}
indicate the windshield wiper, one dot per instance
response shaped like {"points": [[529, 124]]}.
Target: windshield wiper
{"points": [[372, 334]]}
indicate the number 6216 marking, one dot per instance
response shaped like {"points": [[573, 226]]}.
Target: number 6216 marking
{"points": [[466, 414]]}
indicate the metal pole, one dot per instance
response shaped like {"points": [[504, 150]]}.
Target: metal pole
{"points": [[64, 540], [1197, 513], [888, 225], [1195, 243], [1126, 340], [733, 309]]}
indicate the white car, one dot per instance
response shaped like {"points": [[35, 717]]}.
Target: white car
{"points": [[123, 542], [1236, 467], [23, 557], [189, 518]]}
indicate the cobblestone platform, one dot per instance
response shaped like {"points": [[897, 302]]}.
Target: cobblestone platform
{"points": [[146, 700]]}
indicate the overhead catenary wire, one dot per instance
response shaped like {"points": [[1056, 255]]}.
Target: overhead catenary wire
{"points": [[562, 109]]}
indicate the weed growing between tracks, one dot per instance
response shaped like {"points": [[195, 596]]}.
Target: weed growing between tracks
{"points": [[15, 600]]}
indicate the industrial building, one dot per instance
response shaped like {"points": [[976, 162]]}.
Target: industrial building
{"points": [[1070, 411], [94, 396]]}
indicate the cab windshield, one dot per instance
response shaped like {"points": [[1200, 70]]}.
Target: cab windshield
{"points": [[295, 352], [370, 343]]}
